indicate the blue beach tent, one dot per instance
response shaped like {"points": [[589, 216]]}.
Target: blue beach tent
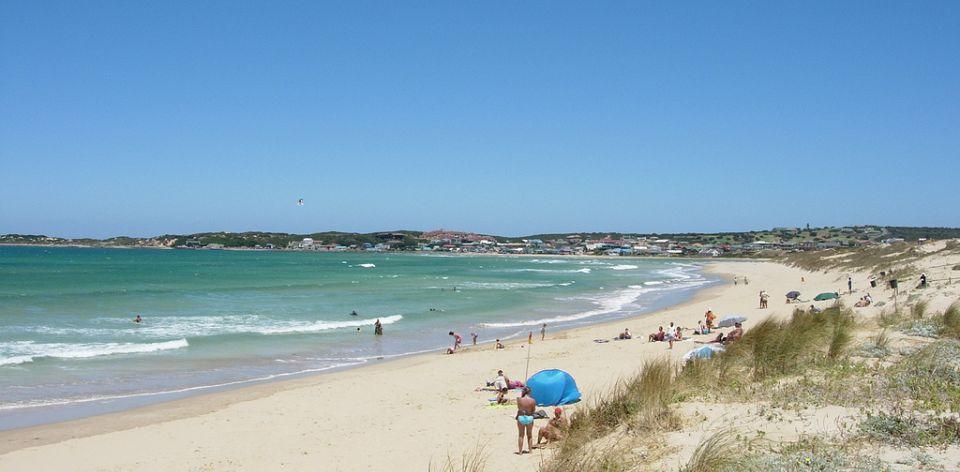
{"points": [[553, 387]]}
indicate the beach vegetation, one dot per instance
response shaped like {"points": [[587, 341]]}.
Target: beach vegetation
{"points": [[717, 452], [640, 404], [950, 321], [473, 460]]}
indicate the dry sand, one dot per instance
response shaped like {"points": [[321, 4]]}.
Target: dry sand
{"points": [[398, 415]]}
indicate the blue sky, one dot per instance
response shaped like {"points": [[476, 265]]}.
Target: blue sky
{"points": [[137, 118]]}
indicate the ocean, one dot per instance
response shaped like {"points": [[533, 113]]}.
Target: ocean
{"points": [[220, 319]]}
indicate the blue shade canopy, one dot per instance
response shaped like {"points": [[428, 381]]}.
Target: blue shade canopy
{"points": [[793, 294], [553, 387]]}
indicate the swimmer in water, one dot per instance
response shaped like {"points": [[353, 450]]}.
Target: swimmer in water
{"points": [[137, 319], [353, 313]]}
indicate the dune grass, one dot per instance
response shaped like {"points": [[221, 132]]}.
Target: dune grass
{"points": [[919, 310], [470, 461], [779, 347], [951, 321], [717, 452], [639, 404]]}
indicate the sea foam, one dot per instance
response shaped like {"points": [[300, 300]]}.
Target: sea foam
{"points": [[27, 351]]}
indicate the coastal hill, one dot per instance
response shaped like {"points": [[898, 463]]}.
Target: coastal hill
{"points": [[762, 242]]}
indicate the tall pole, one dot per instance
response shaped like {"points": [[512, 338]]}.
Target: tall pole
{"points": [[526, 373]]}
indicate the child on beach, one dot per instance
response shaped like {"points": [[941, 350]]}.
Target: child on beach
{"points": [[457, 340]]}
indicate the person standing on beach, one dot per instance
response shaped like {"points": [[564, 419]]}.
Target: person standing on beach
{"points": [[543, 332], [457, 339], [474, 336], [378, 328], [525, 407], [849, 284]]}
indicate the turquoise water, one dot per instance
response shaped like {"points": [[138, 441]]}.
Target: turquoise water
{"points": [[220, 318]]}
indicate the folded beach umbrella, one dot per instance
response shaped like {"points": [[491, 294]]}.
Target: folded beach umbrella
{"points": [[793, 295], [553, 387], [826, 296], [703, 352], [731, 320]]}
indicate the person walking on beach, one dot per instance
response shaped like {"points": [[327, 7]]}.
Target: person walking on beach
{"points": [[849, 284], [457, 340], [543, 332], [525, 407]]}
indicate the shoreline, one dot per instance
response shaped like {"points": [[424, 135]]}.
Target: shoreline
{"points": [[54, 413], [450, 380]]}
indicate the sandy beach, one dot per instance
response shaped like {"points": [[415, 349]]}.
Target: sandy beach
{"points": [[397, 415]]}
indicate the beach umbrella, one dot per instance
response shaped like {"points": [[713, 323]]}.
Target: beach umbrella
{"points": [[793, 295], [826, 296], [731, 320], [703, 352], [553, 387]]}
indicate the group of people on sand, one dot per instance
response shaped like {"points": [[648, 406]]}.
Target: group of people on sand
{"points": [[526, 409], [458, 341], [674, 333], [502, 384], [865, 300]]}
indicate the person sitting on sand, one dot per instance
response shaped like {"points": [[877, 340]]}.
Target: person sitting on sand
{"points": [[675, 335], [625, 334], [658, 336], [734, 335], [555, 428], [814, 309], [701, 328], [525, 408], [457, 339], [501, 384], [498, 345]]}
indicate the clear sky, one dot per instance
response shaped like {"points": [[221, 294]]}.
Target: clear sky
{"points": [[143, 118]]}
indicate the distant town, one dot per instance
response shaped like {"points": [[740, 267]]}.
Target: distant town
{"points": [[737, 244]]}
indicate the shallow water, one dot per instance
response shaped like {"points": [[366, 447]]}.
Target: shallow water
{"points": [[213, 319]]}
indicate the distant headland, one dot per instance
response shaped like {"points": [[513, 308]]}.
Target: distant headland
{"points": [[746, 243]]}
